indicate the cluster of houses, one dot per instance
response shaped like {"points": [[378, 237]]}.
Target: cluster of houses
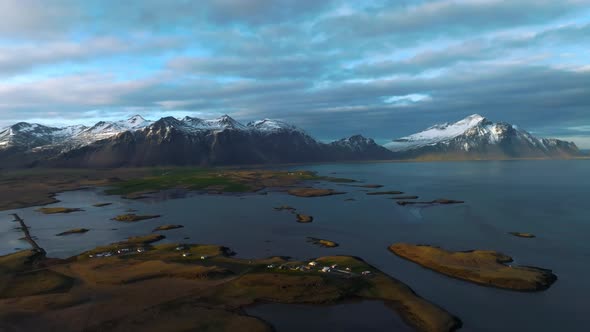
{"points": [[311, 266], [314, 266], [122, 251]]}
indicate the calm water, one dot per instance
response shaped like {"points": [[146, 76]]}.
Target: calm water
{"points": [[547, 198]]}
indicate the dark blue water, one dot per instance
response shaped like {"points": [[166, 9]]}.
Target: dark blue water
{"points": [[547, 198]]}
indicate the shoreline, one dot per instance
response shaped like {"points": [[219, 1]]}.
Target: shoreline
{"points": [[46, 195]]}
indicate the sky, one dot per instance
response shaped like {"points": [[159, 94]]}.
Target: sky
{"points": [[380, 68]]}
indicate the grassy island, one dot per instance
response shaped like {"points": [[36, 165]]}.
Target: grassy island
{"points": [[56, 210], [166, 227], [391, 192], [322, 242], [313, 192], [73, 231], [303, 218], [440, 201], [484, 267], [131, 217], [24, 188], [524, 235], [184, 287], [101, 204]]}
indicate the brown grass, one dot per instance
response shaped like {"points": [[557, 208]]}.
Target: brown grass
{"points": [[483, 267], [167, 227], [131, 217], [303, 218], [55, 210], [313, 192]]}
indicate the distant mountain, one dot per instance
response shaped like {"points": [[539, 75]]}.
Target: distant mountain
{"points": [[171, 141], [361, 147], [225, 141], [475, 137]]}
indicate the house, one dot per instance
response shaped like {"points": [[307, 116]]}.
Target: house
{"points": [[312, 263], [186, 254], [325, 269]]}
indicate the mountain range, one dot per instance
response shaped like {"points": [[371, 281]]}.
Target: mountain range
{"points": [[225, 141]]}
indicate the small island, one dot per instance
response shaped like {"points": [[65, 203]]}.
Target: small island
{"points": [[303, 218], [167, 227], [484, 267], [523, 235], [102, 204], [55, 210], [391, 192], [131, 217], [285, 208], [405, 197], [73, 231], [313, 192], [322, 242], [440, 201]]}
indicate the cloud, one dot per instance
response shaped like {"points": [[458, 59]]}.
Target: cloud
{"points": [[259, 68], [15, 59], [460, 17], [382, 68]]}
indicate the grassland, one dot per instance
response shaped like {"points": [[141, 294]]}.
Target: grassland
{"points": [[34, 187], [215, 181]]}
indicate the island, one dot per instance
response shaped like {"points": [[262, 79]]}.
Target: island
{"points": [[167, 227], [303, 218], [440, 201], [285, 208], [524, 235], [73, 231], [313, 192], [135, 285], [322, 242], [391, 192], [25, 189], [131, 217], [483, 267], [55, 210], [405, 197], [101, 204]]}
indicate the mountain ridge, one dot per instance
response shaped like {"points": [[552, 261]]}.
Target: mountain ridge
{"points": [[224, 141]]}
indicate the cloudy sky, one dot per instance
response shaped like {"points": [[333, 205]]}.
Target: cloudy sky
{"points": [[382, 68]]}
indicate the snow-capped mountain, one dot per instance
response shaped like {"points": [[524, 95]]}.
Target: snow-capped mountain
{"points": [[225, 141], [479, 138], [30, 135], [106, 129], [171, 141]]}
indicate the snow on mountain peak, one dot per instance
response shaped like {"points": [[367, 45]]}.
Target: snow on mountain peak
{"points": [[268, 125], [438, 133]]}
